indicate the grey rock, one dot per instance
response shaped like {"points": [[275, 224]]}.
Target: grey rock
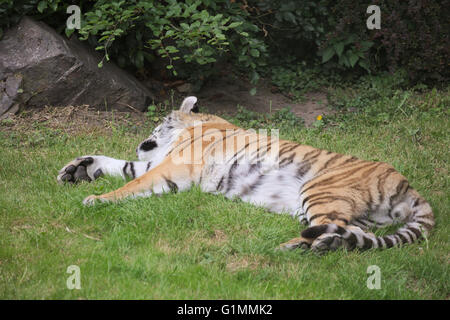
{"points": [[185, 88], [59, 72], [9, 94]]}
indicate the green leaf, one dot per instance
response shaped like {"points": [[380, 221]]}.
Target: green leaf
{"points": [[327, 54], [69, 32], [343, 61], [254, 53], [234, 24], [363, 64], [353, 58], [366, 45], [339, 47], [42, 5], [252, 91], [54, 6], [289, 16], [139, 59]]}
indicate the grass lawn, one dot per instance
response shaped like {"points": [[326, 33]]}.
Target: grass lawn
{"points": [[193, 245]]}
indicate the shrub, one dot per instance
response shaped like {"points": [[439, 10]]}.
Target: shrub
{"points": [[190, 38], [198, 33], [413, 36]]}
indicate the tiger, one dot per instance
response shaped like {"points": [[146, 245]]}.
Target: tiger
{"points": [[340, 198]]}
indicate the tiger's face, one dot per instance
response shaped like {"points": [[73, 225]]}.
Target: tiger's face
{"points": [[158, 144], [155, 143]]}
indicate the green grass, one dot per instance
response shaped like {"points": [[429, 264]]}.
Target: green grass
{"points": [[193, 245]]}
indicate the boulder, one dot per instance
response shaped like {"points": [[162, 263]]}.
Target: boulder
{"points": [[10, 89], [39, 67]]}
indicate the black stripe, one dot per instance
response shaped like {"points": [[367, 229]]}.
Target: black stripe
{"points": [[317, 216], [132, 170], [192, 140], [124, 169], [286, 148], [340, 230], [148, 166], [303, 169], [219, 186], [254, 185], [411, 235], [379, 242], [399, 240], [314, 232], [425, 224], [172, 185], [389, 243], [352, 159], [403, 238], [335, 177], [351, 240], [333, 215], [314, 195], [312, 155], [416, 232], [416, 202], [235, 156], [400, 190], [361, 222], [288, 160], [330, 161], [230, 176], [381, 182], [367, 243]]}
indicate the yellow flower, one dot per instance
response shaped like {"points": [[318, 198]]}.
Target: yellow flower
{"points": [[319, 117]]}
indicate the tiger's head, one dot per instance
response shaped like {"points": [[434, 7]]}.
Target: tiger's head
{"points": [[158, 144]]}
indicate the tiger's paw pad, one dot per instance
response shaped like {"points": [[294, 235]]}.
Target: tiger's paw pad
{"points": [[292, 245], [327, 242], [77, 171]]}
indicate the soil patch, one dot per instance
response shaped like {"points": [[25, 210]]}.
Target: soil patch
{"points": [[223, 95]]}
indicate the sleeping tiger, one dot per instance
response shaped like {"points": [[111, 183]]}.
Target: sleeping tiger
{"points": [[338, 196]]}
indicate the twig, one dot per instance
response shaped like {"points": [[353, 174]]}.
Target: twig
{"points": [[83, 234], [132, 108]]}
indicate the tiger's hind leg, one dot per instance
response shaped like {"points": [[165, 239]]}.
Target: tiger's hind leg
{"points": [[295, 243], [333, 230], [329, 215], [309, 235]]}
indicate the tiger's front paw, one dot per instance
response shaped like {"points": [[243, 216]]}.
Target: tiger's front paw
{"points": [[80, 169], [90, 200], [93, 199]]}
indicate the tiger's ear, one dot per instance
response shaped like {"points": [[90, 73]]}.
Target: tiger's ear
{"points": [[188, 104]]}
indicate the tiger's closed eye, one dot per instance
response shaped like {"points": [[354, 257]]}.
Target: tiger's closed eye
{"points": [[148, 145]]}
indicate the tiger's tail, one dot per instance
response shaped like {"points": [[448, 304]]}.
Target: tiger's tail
{"points": [[417, 226]]}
